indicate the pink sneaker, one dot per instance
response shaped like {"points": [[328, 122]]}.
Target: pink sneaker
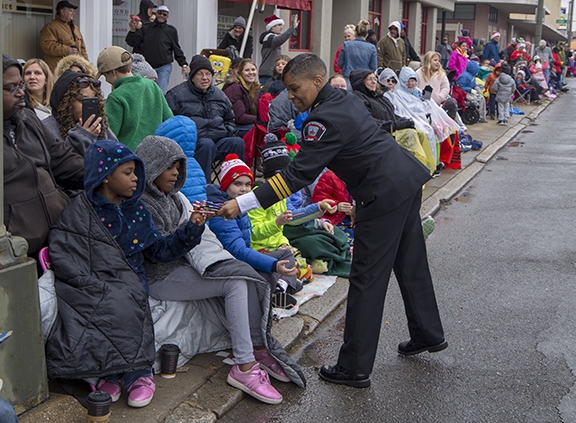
{"points": [[254, 382], [113, 389], [141, 392], [270, 365]]}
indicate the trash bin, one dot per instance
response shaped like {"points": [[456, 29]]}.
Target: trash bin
{"points": [[22, 359]]}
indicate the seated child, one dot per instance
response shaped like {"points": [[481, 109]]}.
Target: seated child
{"points": [[331, 187], [233, 281], [235, 234], [523, 87], [104, 328]]}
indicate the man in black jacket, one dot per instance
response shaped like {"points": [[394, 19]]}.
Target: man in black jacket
{"points": [[235, 36], [158, 43], [411, 55]]}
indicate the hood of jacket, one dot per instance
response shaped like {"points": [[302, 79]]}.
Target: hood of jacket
{"points": [[357, 77], [398, 27], [61, 86], [505, 78], [144, 6], [405, 74], [158, 153], [386, 74], [101, 159], [472, 67]]}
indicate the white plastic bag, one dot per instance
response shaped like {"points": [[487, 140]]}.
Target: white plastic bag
{"points": [[48, 301]]}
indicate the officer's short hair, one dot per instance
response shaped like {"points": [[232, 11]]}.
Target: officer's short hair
{"points": [[306, 65]]}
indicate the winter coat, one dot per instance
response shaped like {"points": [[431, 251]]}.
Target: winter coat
{"points": [[97, 251], [35, 165], [518, 55], [266, 235], [457, 62], [56, 38], [243, 105], [129, 106], [329, 186], [211, 110], [357, 54], [78, 138], [444, 50], [489, 84], [158, 43], [230, 40], [504, 87], [235, 235], [379, 106], [281, 111], [182, 129], [272, 48], [337, 69], [439, 83], [491, 51], [545, 54], [392, 51], [467, 81]]}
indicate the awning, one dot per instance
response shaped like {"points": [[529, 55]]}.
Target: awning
{"points": [[284, 4], [549, 33]]}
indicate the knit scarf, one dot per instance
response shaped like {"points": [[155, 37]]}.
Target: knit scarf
{"points": [[462, 52], [252, 88]]}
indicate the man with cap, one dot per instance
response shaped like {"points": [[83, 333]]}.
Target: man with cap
{"points": [[212, 112], [444, 49], [492, 49], [235, 36], [545, 54], [61, 37], [158, 43], [136, 106], [392, 49], [35, 166], [272, 40]]}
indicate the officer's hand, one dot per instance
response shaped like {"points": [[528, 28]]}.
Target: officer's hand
{"points": [[229, 210]]}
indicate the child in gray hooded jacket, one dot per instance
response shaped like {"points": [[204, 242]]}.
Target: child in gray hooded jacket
{"points": [[504, 87]]}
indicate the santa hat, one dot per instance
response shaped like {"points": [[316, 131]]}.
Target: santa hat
{"points": [[275, 155], [272, 21], [232, 169], [494, 35]]}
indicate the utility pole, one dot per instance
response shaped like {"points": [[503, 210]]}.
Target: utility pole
{"points": [[570, 17], [539, 19]]}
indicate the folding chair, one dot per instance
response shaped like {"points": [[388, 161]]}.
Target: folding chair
{"points": [[519, 96]]}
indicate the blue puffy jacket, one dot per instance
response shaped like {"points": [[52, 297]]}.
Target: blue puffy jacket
{"points": [[182, 129], [234, 234], [467, 81]]}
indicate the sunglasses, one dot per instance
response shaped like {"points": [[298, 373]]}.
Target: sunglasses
{"points": [[391, 80], [85, 83], [15, 88]]}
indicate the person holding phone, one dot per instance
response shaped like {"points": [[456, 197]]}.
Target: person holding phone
{"points": [[78, 111]]}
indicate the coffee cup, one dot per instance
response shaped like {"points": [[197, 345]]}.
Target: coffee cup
{"points": [[169, 360], [98, 407]]}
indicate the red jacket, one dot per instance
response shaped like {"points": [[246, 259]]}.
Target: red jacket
{"points": [[331, 187], [557, 62]]}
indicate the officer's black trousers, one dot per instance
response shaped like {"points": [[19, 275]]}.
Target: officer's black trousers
{"points": [[391, 241]]}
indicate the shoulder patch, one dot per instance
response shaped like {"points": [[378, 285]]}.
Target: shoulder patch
{"points": [[314, 131]]}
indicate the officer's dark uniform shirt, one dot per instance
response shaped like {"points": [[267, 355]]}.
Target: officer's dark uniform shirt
{"points": [[340, 134]]}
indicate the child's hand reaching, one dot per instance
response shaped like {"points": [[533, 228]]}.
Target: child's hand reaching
{"points": [[199, 218], [346, 208], [283, 270], [203, 211], [328, 227], [329, 206], [284, 218]]}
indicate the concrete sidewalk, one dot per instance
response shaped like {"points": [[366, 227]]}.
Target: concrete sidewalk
{"points": [[199, 393]]}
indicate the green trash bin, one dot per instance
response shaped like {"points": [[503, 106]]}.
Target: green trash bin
{"points": [[22, 359]]}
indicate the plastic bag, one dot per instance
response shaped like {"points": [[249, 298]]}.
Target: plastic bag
{"points": [[48, 302]]}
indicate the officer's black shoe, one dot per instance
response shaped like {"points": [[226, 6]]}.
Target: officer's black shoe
{"points": [[341, 376], [412, 348]]}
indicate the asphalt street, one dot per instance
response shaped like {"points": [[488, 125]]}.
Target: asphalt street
{"points": [[503, 260]]}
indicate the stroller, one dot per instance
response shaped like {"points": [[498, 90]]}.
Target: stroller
{"points": [[468, 107]]}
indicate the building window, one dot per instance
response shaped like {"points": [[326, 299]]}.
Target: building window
{"points": [[424, 30], [375, 16], [493, 14], [405, 14], [463, 12], [302, 40]]}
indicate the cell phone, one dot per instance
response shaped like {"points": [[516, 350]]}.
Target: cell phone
{"points": [[90, 106]]}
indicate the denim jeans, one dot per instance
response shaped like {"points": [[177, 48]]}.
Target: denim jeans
{"points": [[164, 73], [7, 413], [207, 151], [129, 378]]}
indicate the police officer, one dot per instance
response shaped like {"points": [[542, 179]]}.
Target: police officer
{"points": [[386, 182]]}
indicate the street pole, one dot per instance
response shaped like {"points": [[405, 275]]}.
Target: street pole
{"points": [[570, 17], [248, 26], [539, 19]]}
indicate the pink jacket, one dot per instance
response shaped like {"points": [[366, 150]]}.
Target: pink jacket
{"points": [[439, 83]]}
